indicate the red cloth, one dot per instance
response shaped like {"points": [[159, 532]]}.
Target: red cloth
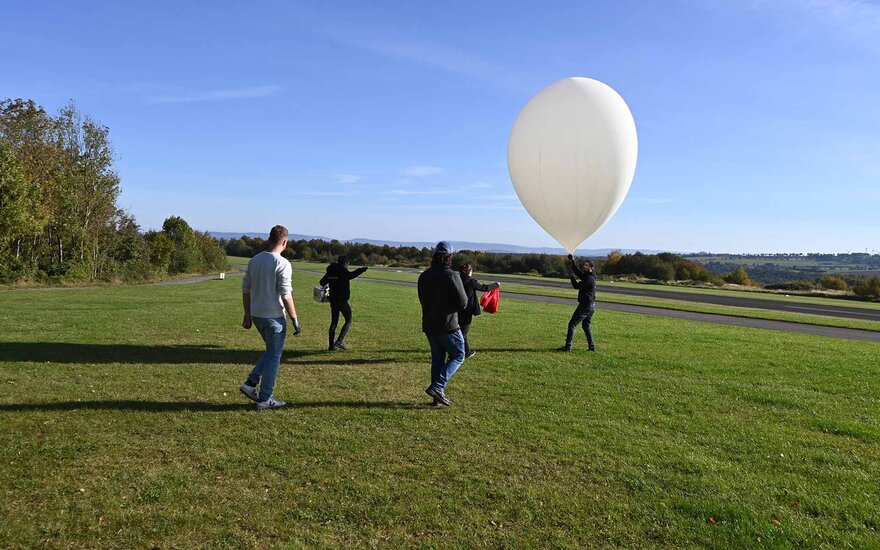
{"points": [[489, 301]]}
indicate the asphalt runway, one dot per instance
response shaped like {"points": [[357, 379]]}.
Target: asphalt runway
{"points": [[828, 310]]}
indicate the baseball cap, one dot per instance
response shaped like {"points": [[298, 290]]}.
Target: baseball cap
{"points": [[443, 247]]}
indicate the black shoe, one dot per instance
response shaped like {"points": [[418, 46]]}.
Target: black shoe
{"points": [[340, 346], [438, 396], [331, 348], [591, 349], [471, 354], [564, 348]]}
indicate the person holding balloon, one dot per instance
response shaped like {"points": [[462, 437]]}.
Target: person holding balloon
{"points": [[585, 283]]}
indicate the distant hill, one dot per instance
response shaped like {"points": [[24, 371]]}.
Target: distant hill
{"points": [[255, 234], [459, 245]]}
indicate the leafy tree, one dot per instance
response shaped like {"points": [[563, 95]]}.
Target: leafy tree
{"points": [[833, 282], [738, 277], [868, 287]]}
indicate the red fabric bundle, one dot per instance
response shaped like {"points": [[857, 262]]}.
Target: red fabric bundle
{"points": [[489, 301]]}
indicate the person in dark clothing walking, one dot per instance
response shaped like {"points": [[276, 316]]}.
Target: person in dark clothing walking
{"points": [[466, 315], [338, 277], [585, 282], [442, 297]]}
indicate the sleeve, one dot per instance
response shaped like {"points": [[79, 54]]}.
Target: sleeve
{"points": [[483, 288], [356, 273], [574, 283], [578, 273], [460, 293], [246, 282], [323, 281], [282, 281]]}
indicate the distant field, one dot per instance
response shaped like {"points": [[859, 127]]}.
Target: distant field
{"points": [[671, 289], [409, 275], [122, 427]]}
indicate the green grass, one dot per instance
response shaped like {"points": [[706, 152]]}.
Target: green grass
{"points": [[121, 426], [665, 303]]}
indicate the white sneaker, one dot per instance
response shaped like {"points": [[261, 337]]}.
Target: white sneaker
{"points": [[270, 403], [250, 392]]}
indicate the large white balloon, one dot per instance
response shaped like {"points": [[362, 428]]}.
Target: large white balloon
{"points": [[572, 156]]}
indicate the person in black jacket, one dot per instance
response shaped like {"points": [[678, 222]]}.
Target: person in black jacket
{"points": [[466, 315], [583, 314], [442, 297], [338, 277]]}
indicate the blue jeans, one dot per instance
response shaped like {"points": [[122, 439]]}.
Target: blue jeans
{"points": [[273, 332], [443, 345], [583, 315]]}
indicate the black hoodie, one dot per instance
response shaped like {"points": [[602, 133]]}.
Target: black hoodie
{"points": [[338, 277], [586, 286], [441, 296]]}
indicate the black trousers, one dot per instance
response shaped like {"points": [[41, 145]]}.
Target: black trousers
{"points": [[335, 309], [465, 327]]}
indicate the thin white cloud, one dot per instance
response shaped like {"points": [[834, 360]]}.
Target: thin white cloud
{"points": [[481, 185], [422, 171], [349, 178], [433, 54], [855, 20], [248, 92]]}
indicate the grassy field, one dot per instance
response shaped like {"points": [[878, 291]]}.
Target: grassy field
{"points": [[122, 426], [665, 303]]}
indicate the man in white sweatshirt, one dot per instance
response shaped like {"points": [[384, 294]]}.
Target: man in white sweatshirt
{"points": [[266, 294]]}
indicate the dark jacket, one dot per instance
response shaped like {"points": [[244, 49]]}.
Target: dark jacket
{"points": [[586, 286], [441, 296], [471, 286], [337, 277]]}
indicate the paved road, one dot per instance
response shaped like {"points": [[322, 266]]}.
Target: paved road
{"points": [[828, 310], [198, 279], [817, 330]]}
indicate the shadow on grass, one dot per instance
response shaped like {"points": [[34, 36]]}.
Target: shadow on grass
{"points": [[61, 352], [58, 352], [183, 406]]}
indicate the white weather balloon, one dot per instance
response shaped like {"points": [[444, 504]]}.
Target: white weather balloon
{"points": [[572, 156]]}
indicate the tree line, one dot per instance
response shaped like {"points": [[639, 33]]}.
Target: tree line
{"points": [[665, 267], [59, 218]]}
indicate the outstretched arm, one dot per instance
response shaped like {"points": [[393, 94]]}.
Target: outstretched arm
{"points": [[485, 288], [356, 273]]}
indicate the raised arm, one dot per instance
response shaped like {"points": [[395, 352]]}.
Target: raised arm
{"points": [[484, 288], [356, 273]]}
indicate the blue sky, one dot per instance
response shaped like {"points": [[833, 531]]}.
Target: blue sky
{"points": [[758, 121]]}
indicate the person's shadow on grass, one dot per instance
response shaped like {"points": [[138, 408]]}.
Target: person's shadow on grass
{"points": [[198, 406], [63, 352]]}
